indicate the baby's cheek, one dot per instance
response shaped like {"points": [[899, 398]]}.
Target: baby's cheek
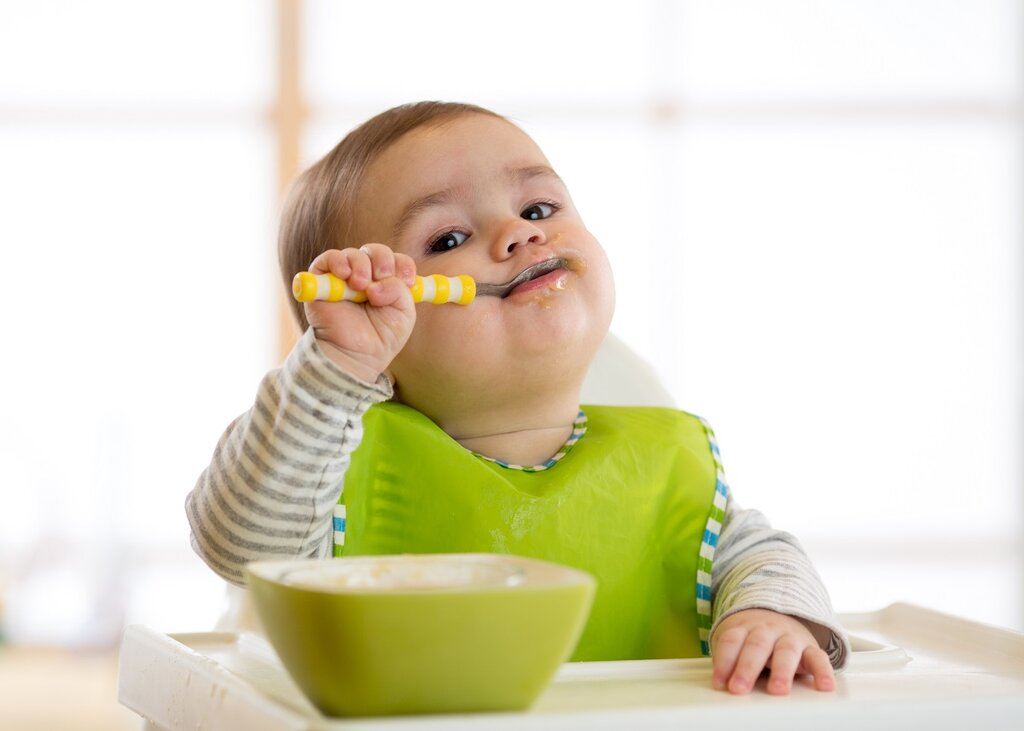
{"points": [[442, 331]]}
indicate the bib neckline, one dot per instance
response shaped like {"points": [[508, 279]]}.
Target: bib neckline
{"points": [[579, 428]]}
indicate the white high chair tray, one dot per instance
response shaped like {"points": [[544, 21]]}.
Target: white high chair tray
{"points": [[911, 667]]}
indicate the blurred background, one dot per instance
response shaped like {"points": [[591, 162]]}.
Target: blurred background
{"points": [[813, 209]]}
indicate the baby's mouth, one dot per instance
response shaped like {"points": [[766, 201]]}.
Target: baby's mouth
{"points": [[530, 273]]}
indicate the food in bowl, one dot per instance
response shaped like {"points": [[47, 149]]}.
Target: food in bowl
{"points": [[442, 633], [422, 573]]}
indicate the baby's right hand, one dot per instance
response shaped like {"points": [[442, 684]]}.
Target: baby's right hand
{"points": [[363, 339]]}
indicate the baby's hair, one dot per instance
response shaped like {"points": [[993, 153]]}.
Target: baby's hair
{"points": [[317, 214]]}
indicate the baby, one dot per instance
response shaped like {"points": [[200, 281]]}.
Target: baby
{"points": [[467, 420]]}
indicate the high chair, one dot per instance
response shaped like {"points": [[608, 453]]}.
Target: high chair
{"points": [[910, 667]]}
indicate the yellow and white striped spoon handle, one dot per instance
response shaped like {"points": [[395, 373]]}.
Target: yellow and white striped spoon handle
{"points": [[435, 288]]}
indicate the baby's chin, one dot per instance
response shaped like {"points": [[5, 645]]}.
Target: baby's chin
{"points": [[523, 381], [518, 350]]}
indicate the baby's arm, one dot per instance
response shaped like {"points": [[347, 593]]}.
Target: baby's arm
{"points": [[277, 472], [771, 609]]}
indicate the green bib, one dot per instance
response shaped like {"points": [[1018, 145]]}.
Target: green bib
{"points": [[633, 502]]}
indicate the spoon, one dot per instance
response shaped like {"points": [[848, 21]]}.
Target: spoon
{"points": [[434, 288]]}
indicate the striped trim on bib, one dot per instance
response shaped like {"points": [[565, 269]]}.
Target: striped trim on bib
{"points": [[579, 428], [339, 524], [709, 543]]}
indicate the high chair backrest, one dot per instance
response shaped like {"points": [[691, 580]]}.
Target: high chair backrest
{"points": [[620, 377], [617, 377]]}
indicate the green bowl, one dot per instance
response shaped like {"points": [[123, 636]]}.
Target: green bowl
{"points": [[405, 634]]}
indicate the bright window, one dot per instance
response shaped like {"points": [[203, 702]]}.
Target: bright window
{"points": [[813, 208]]}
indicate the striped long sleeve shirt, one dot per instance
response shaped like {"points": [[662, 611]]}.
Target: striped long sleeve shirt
{"points": [[277, 473]]}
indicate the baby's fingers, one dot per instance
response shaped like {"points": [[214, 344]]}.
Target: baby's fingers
{"points": [[385, 264], [816, 663], [790, 658], [757, 649], [382, 260], [365, 265], [390, 272], [341, 263], [389, 292], [405, 269], [785, 662], [727, 650]]}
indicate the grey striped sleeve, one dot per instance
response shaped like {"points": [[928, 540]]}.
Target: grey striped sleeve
{"points": [[758, 567], [277, 471]]}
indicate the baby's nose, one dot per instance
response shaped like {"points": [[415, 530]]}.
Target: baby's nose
{"points": [[518, 232]]}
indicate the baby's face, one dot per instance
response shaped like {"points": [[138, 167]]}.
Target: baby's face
{"points": [[477, 196]]}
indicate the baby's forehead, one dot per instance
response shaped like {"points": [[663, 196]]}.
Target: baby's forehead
{"points": [[457, 153], [468, 131], [442, 163]]}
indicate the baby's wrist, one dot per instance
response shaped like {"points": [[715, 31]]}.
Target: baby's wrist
{"points": [[350, 364]]}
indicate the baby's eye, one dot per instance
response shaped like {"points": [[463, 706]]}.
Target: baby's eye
{"points": [[447, 241], [537, 211]]}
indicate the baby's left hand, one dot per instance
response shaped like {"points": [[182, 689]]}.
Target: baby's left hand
{"points": [[750, 641]]}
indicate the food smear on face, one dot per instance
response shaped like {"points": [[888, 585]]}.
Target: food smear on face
{"points": [[543, 288], [576, 264]]}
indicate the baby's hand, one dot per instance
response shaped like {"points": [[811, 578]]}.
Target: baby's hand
{"points": [[750, 641], [363, 339]]}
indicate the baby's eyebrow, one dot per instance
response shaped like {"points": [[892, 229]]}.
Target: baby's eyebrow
{"points": [[439, 198], [521, 175]]}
